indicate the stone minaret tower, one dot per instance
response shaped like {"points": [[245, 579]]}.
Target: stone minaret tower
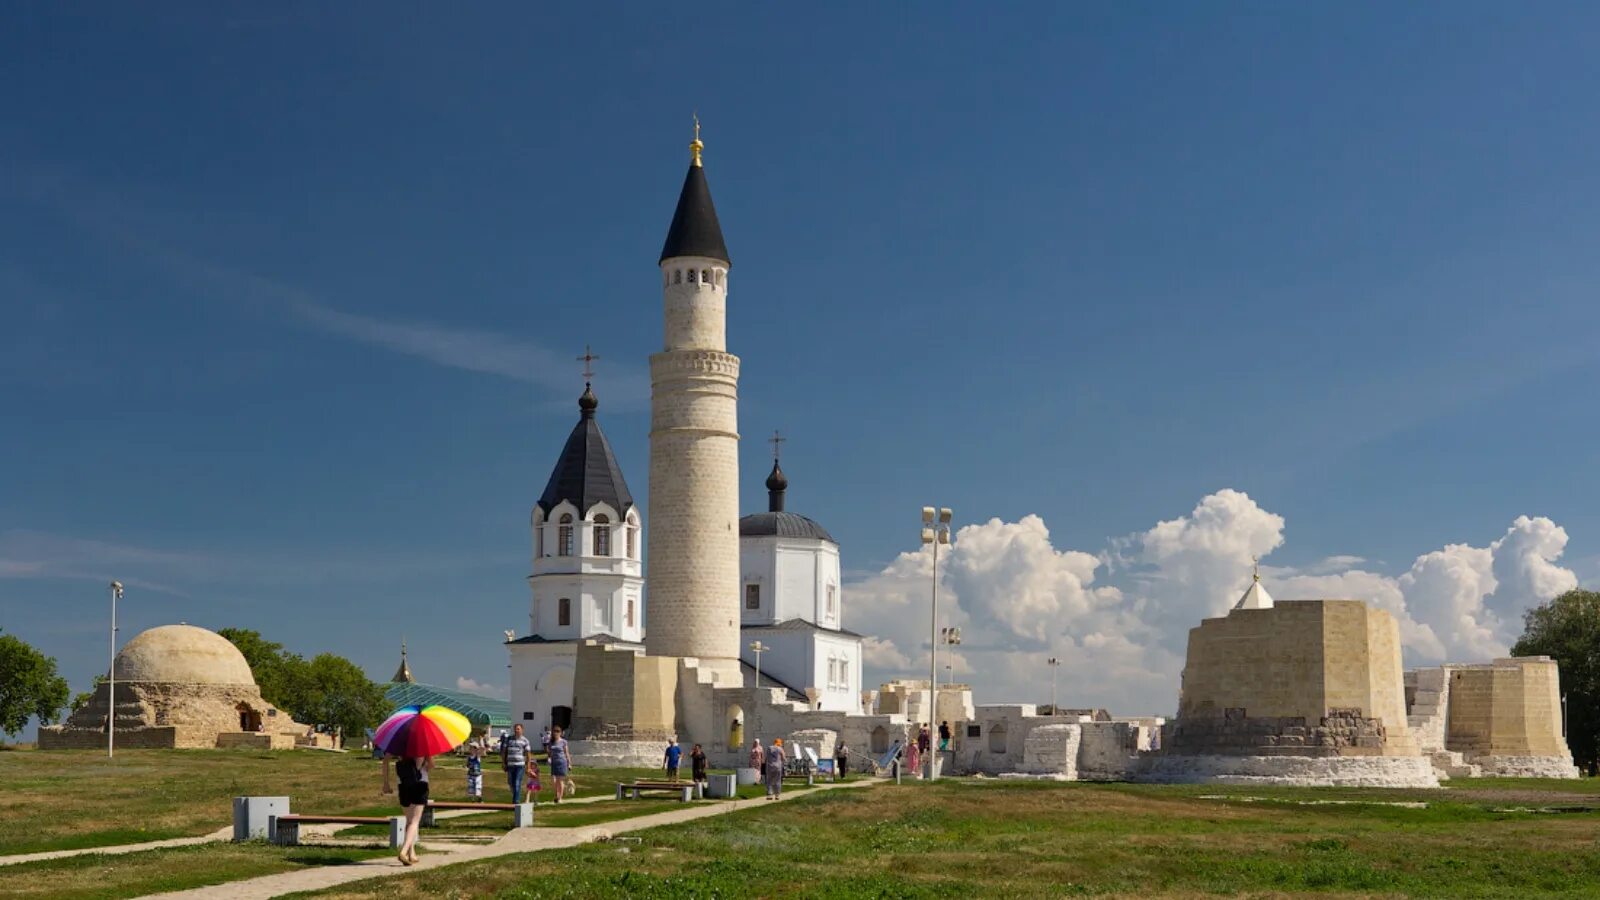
{"points": [[693, 540]]}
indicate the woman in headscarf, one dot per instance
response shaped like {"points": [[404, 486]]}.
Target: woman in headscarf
{"points": [[775, 761], [914, 759], [757, 756]]}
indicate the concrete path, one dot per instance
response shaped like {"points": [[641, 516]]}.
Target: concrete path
{"points": [[518, 840], [221, 834]]}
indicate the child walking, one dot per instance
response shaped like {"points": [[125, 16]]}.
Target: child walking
{"points": [[475, 770]]}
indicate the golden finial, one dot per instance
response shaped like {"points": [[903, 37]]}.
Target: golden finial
{"points": [[1255, 568], [696, 146]]}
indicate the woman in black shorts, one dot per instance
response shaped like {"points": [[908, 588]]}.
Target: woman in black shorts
{"points": [[413, 772]]}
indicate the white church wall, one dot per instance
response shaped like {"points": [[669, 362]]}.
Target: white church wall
{"points": [[839, 688], [797, 583], [758, 566], [541, 678]]}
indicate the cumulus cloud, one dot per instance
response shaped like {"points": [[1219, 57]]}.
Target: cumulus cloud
{"points": [[1019, 599], [470, 686]]}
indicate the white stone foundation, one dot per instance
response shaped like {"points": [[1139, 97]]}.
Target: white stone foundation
{"points": [[1299, 771], [618, 754], [1525, 766]]}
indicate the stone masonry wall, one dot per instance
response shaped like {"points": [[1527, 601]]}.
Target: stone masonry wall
{"points": [[1342, 732]]}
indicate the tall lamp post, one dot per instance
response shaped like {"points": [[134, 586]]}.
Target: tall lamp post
{"points": [[111, 676], [1054, 664], [758, 648], [935, 533]]}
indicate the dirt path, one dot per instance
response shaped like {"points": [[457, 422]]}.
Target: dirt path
{"points": [[519, 840]]}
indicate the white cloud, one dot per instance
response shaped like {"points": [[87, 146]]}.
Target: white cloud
{"points": [[1019, 599], [469, 686]]}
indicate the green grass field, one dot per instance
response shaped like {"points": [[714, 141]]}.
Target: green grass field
{"points": [[1032, 839], [62, 800]]}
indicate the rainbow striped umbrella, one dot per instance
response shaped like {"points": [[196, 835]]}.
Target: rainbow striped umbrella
{"points": [[422, 731]]}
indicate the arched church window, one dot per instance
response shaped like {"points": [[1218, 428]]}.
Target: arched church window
{"points": [[630, 532], [564, 612], [677, 276], [538, 540], [832, 601], [629, 619], [705, 276], [602, 535], [752, 596], [564, 536]]}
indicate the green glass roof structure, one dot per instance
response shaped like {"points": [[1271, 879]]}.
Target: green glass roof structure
{"points": [[483, 712]]}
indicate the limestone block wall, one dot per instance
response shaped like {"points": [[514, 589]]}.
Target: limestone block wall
{"points": [[1109, 750], [1298, 660], [1052, 750], [693, 539], [1342, 732], [763, 714], [620, 694], [1511, 707]]}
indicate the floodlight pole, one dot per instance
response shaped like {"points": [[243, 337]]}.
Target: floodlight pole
{"points": [[1054, 664], [111, 677], [934, 534], [757, 647]]}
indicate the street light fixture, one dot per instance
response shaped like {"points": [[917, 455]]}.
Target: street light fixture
{"points": [[111, 676], [935, 531], [1054, 664], [758, 648]]}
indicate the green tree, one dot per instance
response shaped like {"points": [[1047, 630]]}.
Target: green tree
{"points": [[79, 701], [279, 674], [1567, 629], [29, 685], [337, 693]]}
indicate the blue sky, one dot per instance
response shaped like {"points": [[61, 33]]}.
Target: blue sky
{"points": [[289, 297]]}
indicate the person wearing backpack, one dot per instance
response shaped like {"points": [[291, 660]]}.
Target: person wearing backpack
{"points": [[413, 774]]}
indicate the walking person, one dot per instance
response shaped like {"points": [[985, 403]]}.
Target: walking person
{"points": [[775, 760], [475, 751], [673, 757], [841, 760], [944, 735], [758, 756], [544, 740], [697, 766], [514, 754], [914, 758], [413, 773], [561, 764], [924, 740]]}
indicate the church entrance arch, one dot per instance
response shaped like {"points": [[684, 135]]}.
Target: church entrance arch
{"points": [[735, 730], [561, 717]]}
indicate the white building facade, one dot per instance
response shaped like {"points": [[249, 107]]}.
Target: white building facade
{"points": [[791, 602], [587, 579]]}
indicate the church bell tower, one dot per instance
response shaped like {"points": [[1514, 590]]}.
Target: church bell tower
{"points": [[693, 540]]}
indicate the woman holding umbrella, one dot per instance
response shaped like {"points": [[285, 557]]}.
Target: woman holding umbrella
{"points": [[415, 735]]}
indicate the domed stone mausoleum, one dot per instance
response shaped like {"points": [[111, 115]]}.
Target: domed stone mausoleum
{"points": [[179, 686]]}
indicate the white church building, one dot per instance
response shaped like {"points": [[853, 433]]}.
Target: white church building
{"points": [[792, 605], [587, 579], [779, 569]]}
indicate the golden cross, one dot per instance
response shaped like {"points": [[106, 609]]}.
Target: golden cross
{"points": [[587, 359]]}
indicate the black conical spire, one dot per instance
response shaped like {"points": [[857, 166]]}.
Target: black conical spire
{"points": [[695, 230], [587, 472]]}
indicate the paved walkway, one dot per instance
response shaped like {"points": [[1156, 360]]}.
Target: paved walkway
{"points": [[518, 840], [221, 834]]}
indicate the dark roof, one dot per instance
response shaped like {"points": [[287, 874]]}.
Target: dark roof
{"points": [[587, 472], [799, 625], [695, 230], [782, 524], [601, 638], [768, 681]]}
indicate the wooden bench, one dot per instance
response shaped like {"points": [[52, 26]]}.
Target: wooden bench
{"points": [[684, 789], [810, 778], [521, 813], [285, 830]]}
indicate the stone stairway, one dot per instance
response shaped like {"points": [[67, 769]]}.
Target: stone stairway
{"points": [[1450, 764]]}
